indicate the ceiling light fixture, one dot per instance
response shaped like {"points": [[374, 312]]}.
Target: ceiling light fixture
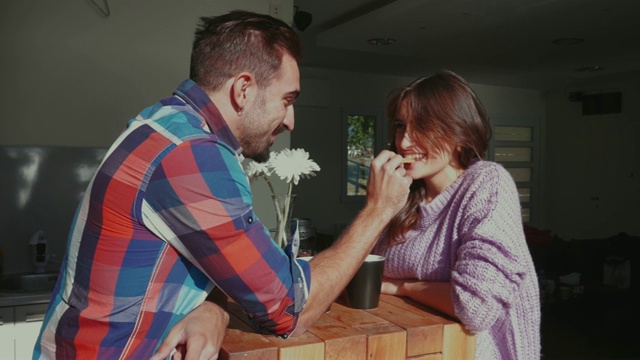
{"points": [[381, 41], [568, 41]]}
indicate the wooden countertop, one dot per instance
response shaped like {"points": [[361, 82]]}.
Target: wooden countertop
{"points": [[398, 329]]}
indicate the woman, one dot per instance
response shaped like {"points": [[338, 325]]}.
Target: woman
{"points": [[458, 245]]}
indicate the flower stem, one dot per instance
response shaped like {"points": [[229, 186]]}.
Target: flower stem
{"points": [[276, 203], [273, 192], [282, 212], [290, 190], [283, 221]]}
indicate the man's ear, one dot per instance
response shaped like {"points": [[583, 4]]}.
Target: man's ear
{"points": [[241, 91]]}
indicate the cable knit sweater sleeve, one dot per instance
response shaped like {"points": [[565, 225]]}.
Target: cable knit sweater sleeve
{"points": [[491, 261]]}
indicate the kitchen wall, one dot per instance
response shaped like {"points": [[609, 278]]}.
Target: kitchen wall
{"points": [[41, 189], [593, 162], [72, 77]]}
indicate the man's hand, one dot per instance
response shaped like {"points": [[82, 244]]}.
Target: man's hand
{"points": [[331, 269], [388, 185], [198, 336]]}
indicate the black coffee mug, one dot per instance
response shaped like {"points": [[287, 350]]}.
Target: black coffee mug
{"points": [[363, 291]]}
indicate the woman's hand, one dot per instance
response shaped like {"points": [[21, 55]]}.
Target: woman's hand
{"points": [[434, 294], [391, 286]]}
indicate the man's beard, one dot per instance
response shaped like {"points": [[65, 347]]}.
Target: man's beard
{"points": [[257, 149], [261, 156], [255, 142]]}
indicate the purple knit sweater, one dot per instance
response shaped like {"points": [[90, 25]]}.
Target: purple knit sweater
{"points": [[471, 234]]}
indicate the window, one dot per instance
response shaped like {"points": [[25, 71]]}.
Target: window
{"points": [[517, 149], [362, 133]]}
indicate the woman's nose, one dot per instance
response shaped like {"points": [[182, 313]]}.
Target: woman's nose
{"points": [[405, 141]]}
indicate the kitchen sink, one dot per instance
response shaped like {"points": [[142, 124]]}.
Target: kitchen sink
{"points": [[28, 282]]}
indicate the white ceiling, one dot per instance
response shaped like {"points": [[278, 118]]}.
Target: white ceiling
{"points": [[501, 42]]}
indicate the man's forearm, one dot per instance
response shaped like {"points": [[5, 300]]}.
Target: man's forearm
{"points": [[332, 269]]}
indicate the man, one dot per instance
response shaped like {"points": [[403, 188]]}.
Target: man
{"points": [[168, 215]]}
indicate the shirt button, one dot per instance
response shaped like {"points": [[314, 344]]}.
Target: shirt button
{"points": [[250, 220]]}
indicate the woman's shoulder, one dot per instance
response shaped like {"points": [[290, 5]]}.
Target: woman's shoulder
{"points": [[488, 186], [481, 180], [485, 170], [489, 178]]}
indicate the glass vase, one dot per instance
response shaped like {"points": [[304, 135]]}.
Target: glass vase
{"points": [[284, 210]]}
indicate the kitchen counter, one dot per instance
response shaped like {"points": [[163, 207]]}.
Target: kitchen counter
{"points": [[399, 328], [18, 298]]}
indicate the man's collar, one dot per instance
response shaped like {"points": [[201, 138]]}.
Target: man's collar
{"points": [[193, 95]]}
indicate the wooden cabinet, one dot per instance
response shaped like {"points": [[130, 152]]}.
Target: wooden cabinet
{"points": [[28, 320], [19, 329], [6, 332]]}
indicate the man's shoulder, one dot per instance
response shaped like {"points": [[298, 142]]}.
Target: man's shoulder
{"points": [[175, 120]]}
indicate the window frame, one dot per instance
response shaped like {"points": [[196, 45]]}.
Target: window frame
{"points": [[534, 145], [380, 143]]}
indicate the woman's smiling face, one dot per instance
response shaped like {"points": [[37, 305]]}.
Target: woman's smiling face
{"points": [[432, 165]]}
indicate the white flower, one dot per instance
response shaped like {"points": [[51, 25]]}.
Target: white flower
{"points": [[255, 169], [291, 165]]}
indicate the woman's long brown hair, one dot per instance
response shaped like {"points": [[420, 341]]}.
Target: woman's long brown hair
{"points": [[443, 112]]}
